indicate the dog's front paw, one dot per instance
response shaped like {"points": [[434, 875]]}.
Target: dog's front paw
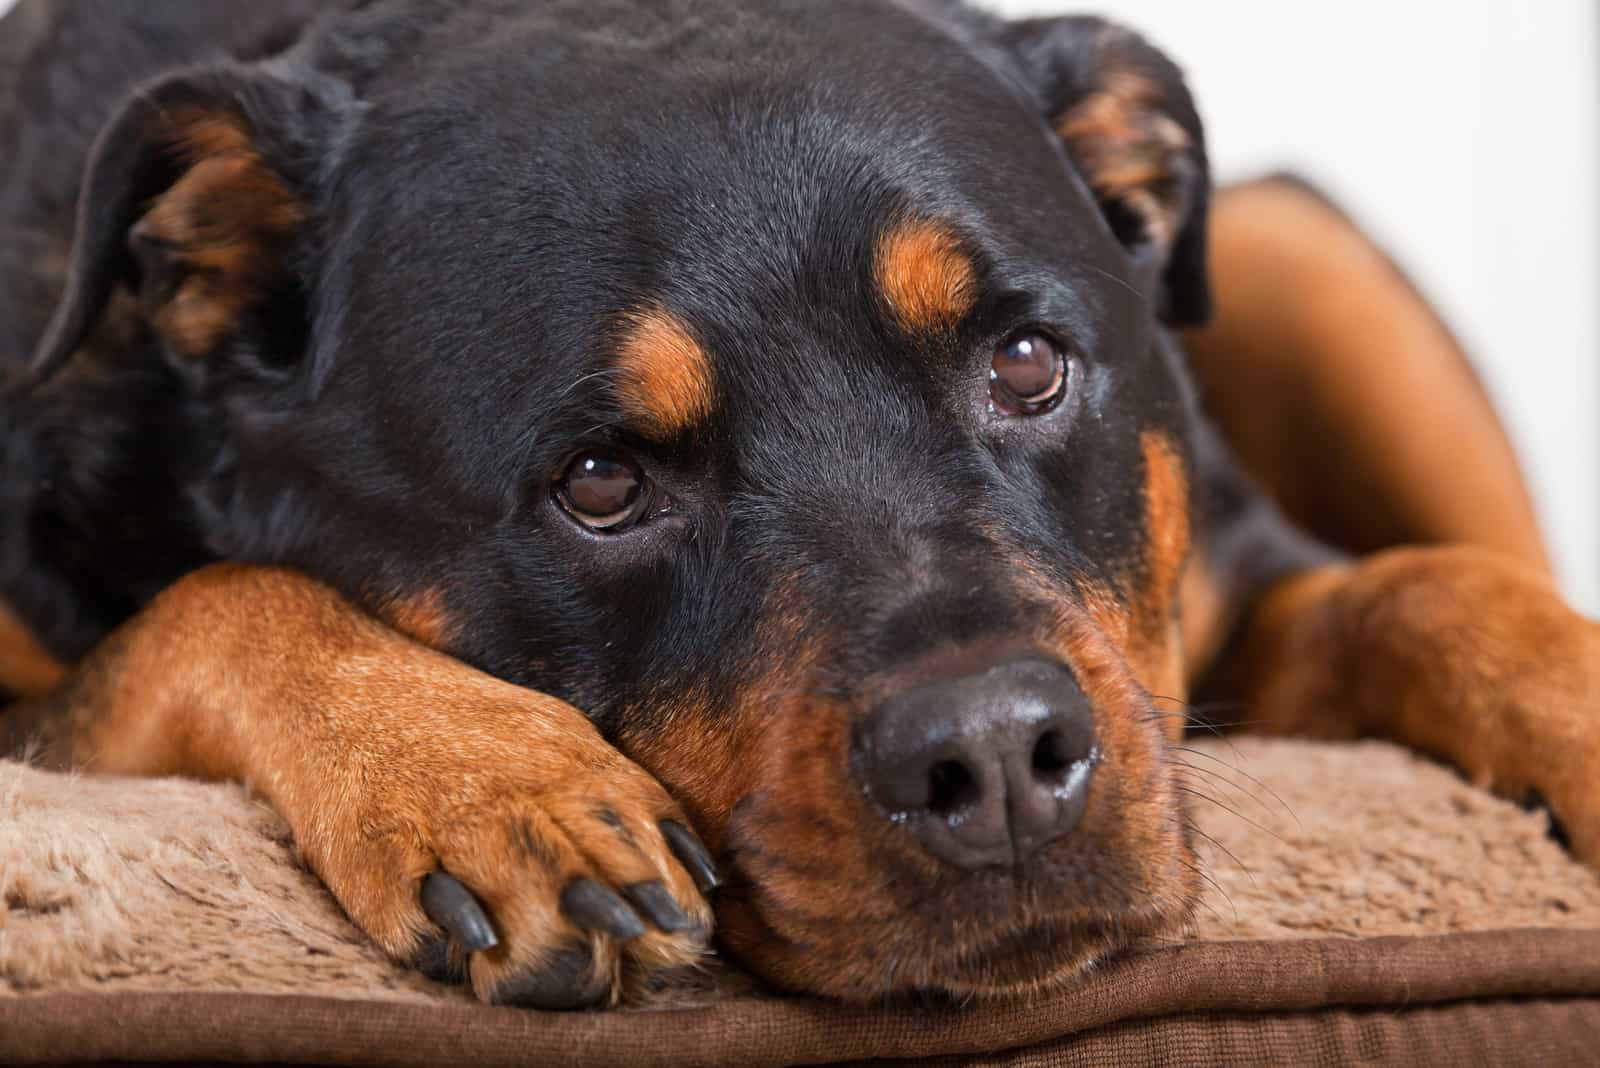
{"points": [[499, 834]]}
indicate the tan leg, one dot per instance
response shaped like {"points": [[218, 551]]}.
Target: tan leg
{"points": [[1347, 400], [1459, 652], [1342, 393], [391, 761]]}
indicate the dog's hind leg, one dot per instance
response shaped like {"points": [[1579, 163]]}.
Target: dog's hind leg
{"points": [[1346, 399], [1342, 392]]}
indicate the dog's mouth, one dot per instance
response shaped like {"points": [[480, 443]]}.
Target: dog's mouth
{"points": [[1041, 955], [855, 870], [988, 938]]}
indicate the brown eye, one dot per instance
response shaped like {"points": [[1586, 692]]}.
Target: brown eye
{"points": [[603, 490], [1028, 375]]}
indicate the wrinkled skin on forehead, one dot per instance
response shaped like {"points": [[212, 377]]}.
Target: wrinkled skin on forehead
{"points": [[769, 257]]}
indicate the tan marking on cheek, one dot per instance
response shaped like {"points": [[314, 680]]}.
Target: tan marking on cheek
{"points": [[26, 668], [709, 756], [1133, 795], [1156, 646], [926, 279], [699, 757], [420, 616], [666, 383], [1108, 614], [1145, 630]]}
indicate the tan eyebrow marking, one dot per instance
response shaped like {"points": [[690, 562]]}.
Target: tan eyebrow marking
{"points": [[925, 277], [666, 382]]}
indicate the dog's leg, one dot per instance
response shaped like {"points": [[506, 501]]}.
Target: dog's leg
{"points": [[1347, 400], [1342, 393], [391, 762], [1460, 652]]}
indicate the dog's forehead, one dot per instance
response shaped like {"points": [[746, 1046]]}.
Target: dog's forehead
{"points": [[559, 174]]}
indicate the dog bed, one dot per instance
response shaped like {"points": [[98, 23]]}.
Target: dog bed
{"points": [[1368, 907]]}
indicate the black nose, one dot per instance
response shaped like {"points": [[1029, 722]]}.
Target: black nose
{"points": [[985, 769]]}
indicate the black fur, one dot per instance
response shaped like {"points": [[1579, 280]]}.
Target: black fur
{"points": [[489, 187]]}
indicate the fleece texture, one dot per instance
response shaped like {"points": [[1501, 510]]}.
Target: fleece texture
{"points": [[166, 885]]}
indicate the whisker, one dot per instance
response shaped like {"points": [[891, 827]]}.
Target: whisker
{"points": [[1248, 874], [1123, 282], [1233, 812], [1192, 714], [1216, 778], [1214, 725], [1239, 771], [1215, 886]]}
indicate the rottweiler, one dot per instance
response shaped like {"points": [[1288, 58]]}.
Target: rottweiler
{"points": [[589, 461]]}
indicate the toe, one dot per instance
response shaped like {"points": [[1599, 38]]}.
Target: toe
{"points": [[654, 902], [451, 905], [692, 854], [596, 907], [438, 961], [566, 978]]}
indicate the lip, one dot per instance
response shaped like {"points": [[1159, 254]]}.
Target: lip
{"points": [[1045, 953]]}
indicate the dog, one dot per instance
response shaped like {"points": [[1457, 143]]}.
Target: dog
{"points": [[623, 477]]}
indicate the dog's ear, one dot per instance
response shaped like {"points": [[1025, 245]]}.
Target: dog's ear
{"points": [[1129, 124], [194, 197]]}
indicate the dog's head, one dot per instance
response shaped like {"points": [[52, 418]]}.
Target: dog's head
{"points": [[784, 385]]}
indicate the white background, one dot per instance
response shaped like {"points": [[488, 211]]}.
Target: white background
{"points": [[1464, 133]]}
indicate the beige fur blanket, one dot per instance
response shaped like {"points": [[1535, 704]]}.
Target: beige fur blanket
{"points": [[114, 886], [160, 885]]}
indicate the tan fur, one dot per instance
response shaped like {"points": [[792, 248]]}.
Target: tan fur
{"points": [[1456, 651], [26, 668], [1205, 616], [666, 384], [420, 616], [1342, 392], [1129, 149], [770, 788], [388, 761], [227, 221], [925, 277], [1157, 653]]}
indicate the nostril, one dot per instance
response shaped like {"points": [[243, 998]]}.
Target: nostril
{"points": [[1050, 759], [951, 787]]}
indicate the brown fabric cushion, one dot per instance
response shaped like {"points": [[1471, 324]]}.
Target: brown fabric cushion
{"points": [[1367, 905]]}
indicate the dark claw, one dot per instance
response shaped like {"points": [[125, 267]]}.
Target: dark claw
{"points": [[692, 854], [433, 959], [655, 901], [595, 907], [567, 981], [452, 906]]}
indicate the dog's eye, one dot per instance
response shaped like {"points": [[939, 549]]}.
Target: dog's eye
{"points": [[1028, 375], [604, 491]]}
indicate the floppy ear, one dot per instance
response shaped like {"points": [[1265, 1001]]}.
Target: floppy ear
{"points": [[194, 196], [1129, 123]]}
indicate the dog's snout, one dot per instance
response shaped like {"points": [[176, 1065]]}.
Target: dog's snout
{"points": [[985, 769]]}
